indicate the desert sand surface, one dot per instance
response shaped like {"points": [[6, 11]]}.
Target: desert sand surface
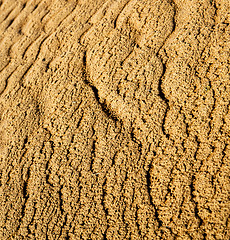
{"points": [[115, 119]]}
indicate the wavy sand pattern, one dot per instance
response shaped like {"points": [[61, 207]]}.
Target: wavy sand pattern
{"points": [[114, 119]]}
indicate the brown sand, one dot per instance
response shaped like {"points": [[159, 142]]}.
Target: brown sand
{"points": [[115, 119]]}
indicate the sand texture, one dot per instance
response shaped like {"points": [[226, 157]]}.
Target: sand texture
{"points": [[115, 119]]}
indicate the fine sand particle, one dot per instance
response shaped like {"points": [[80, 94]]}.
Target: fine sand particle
{"points": [[115, 119]]}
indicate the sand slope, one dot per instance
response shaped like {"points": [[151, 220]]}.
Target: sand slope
{"points": [[114, 119]]}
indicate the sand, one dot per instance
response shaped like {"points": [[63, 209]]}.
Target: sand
{"points": [[114, 119]]}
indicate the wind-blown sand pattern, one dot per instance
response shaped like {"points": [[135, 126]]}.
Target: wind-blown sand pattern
{"points": [[114, 119]]}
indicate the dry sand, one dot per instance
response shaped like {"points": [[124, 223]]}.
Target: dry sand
{"points": [[115, 119]]}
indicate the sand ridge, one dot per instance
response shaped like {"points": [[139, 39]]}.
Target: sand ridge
{"points": [[114, 119]]}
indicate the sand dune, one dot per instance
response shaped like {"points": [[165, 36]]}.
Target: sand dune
{"points": [[114, 119]]}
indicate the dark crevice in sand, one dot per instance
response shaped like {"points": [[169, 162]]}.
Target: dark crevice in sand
{"points": [[157, 217], [24, 190], [185, 124], [79, 121], [95, 90], [10, 23], [103, 199], [174, 16], [115, 21], [213, 108], [35, 7], [23, 5], [62, 228], [213, 3], [7, 81], [162, 95], [93, 155], [148, 181], [196, 209], [25, 142], [7, 15], [137, 223], [104, 207], [61, 201], [47, 67], [164, 68], [40, 47], [24, 74], [47, 170]]}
